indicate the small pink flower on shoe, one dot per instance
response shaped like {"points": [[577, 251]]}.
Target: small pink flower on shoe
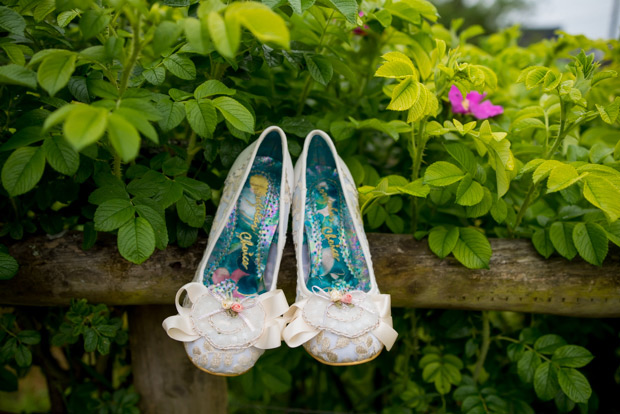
{"points": [[236, 307], [347, 298]]}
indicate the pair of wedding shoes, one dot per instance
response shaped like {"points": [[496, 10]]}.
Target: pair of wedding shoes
{"points": [[232, 310]]}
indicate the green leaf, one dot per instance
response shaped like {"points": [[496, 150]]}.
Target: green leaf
{"points": [[472, 249], [202, 117], [591, 242], [102, 89], [64, 18], [266, 25], [469, 192], [609, 113], [527, 365], [136, 240], [181, 66], [29, 337], [463, 155], [174, 166], [225, 35], [8, 266], [575, 385], [61, 156], [348, 8], [112, 214], [23, 356], [442, 374], [546, 381], [55, 71], [166, 34], [11, 21], [89, 236], [93, 22], [23, 170], [613, 233], [562, 176], [542, 243], [12, 74], [404, 95], [155, 76], [197, 34], [416, 188], [22, 138], [90, 339], [499, 210], [320, 68], [191, 212], [235, 113], [194, 188], [172, 114], [123, 136], [140, 122], [442, 173], [397, 69], [212, 87], [483, 207], [85, 125], [602, 193], [572, 356], [547, 344], [442, 241], [561, 235], [425, 104], [153, 212]]}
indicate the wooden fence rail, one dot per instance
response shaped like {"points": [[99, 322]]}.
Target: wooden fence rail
{"points": [[54, 271]]}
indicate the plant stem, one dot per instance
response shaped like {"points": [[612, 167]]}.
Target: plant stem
{"points": [[529, 348], [549, 153], [135, 53], [304, 94], [117, 166], [484, 348], [416, 150]]}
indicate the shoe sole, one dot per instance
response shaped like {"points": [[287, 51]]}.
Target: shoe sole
{"points": [[216, 373], [345, 364]]}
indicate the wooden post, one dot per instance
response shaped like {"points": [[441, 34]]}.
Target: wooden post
{"points": [[162, 372]]}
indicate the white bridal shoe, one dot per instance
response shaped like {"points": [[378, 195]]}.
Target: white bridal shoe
{"points": [[339, 317], [232, 311]]}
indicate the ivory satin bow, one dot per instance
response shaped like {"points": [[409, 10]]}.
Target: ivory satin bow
{"points": [[181, 328], [298, 331]]}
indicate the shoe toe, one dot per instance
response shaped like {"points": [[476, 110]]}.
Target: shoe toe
{"points": [[334, 349], [225, 362]]}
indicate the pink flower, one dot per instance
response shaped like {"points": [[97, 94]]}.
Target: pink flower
{"points": [[359, 30], [347, 298], [473, 104], [236, 307]]}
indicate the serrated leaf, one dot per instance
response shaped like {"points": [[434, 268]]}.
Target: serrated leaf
{"points": [[8, 266], [93, 22], [416, 188], [348, 8], [191, 212], [55, 71], [225, 35], [542, 243], [442, 173], [442, 241], [140, 122], [591, 242], [320, 68], [112, 214], [61, 156], [396, 69], [561, 235], [572, 356], [85, 125], [472, 249], [181, 66], [602, 193], [201, 116], [153, 212], [235, 113], [136, 240], [212, 87], [23, 170], [574, 384], [404, 95], [546, 381], [469, 192], [266, 25], [13, 74], [123, 136], [547, 344], [23, 356], [172, 114], [155, 76]]}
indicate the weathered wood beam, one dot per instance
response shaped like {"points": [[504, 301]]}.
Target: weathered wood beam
{"points": [[54, 271]]}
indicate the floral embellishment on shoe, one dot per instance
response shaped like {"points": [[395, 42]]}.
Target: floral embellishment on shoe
{"points": [[473, 104]]}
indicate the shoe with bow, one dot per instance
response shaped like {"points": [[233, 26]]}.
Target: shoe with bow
{"points": [[339, 317], [232, 309]]}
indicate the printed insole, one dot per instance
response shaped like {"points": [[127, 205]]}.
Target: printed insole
{"points": [[240, 256], [328, 233]]}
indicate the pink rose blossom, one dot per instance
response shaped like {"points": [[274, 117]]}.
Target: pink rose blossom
{"points": [[236, 307], [473, 104], [347, 298]]}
